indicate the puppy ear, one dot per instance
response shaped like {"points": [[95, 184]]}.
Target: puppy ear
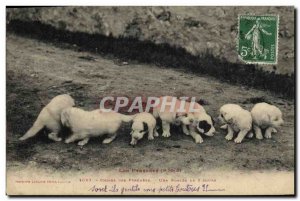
{"points": [[64, 118], [230, 121], [228, 118], [145, 127], [212, 119], [223, 114], [203, 125]]}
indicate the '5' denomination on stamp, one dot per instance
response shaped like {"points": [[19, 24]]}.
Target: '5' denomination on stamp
{"points": [[258, 38]]}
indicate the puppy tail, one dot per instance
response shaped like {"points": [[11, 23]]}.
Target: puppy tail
{"points": [[127, 118], [37, 126], [155, 113]]}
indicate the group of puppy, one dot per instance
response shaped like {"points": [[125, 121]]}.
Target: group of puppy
{"points": [[88, 124]]}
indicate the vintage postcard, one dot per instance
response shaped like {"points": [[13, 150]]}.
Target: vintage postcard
{"points": [[153, 101]]}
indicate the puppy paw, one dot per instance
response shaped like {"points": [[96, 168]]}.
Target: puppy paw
{"points": [[198, 139], [81, 143], [259, 137], [166, 134], [22, 138], [224, 126], [268, 135], [273, 130], [150, 138], [228, 137], [133, 142], [238, 140], [156, 134], [186, 132], [58, 139], [107, 141], [54, 137], [67, 141]]}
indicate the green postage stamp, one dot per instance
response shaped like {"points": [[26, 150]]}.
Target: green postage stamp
{"points": [[258, 38]]}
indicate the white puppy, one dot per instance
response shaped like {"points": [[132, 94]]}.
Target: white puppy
{"points": [[202, 121], [86, 124], [184, 116], [266, 116], [49, 117], [169, 115], [237, 119], [143, 123]]}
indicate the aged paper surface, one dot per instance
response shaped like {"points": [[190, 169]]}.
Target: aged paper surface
{"points": [[65, 65], [35, 182]]}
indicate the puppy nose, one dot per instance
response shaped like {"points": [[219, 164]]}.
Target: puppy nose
{"points": [[213, 131], [191, 120]]}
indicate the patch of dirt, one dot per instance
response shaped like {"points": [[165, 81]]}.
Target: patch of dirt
{"points": [[36, 72]]}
